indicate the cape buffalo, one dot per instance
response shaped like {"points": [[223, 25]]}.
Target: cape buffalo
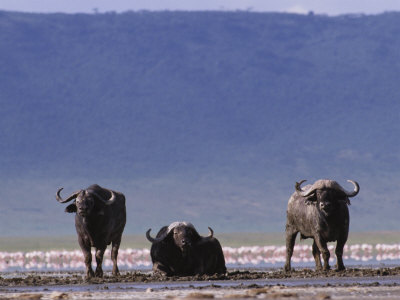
{"points": [[178, 250], [319, 211], [99, 220]]}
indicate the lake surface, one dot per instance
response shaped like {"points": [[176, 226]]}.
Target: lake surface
{"points": [[239, 257]]}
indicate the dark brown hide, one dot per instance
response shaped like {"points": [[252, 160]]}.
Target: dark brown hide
{"points": [[320, 212], [99, 221], [178, 250]]}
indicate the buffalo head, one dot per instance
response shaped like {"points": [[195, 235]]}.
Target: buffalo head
{"points": [[326, 194], [84, 201], [183, 234]]}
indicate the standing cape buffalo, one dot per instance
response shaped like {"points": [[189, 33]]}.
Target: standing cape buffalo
{"points": [[99, 220], [319, 211], [179, 250]]}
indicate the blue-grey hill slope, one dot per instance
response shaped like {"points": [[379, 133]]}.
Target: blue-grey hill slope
{"points": [[208, 117]]}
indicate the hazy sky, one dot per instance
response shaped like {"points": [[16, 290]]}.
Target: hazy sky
{"points": [[330, 7]]}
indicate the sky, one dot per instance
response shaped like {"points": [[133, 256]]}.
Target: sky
{"points": [[329, 7]]}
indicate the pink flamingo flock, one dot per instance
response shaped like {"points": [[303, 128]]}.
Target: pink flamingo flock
{"points": [[235, 257]]}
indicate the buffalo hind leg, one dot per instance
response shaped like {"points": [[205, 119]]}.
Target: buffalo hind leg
{"points": [[290, 241], [317, 257], [323, 248], [114, 255], [99, 262], [339, 255]]}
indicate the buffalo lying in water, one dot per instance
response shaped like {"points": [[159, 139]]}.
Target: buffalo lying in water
{"points": [[99, 220], [178, 250], [319, 211]]}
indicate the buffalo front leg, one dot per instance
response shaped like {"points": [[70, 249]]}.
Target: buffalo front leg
{"points": [[290, 241], [99, 262], [323, 248], [317, 257], [339, 255], [88, 263], [160, 268], [114, 256], [88, 258]]}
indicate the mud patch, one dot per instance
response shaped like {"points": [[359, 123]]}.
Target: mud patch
{"points": [[77, 278]]}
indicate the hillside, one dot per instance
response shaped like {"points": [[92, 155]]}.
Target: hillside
{"points": [[208, 117]]}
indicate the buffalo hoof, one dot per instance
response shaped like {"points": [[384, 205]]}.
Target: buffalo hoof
{"points": [[89, 274], [340, 268], [116, 274], [115, 271], [288, 269], [318, 267], [99, 273]]}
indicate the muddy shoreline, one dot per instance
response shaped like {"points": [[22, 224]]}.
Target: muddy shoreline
{"points": [[304, 283], [77, 278]]}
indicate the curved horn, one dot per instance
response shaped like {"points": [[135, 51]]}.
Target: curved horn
{"points": [[356, 189], [303, 193], [61, 200], [211, 233], [297, 186], [108, 201], [154, 240], [112, 198]]}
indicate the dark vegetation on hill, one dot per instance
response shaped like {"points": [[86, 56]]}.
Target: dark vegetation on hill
{"points": [[208, 117]]}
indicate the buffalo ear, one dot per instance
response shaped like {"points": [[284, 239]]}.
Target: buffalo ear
{"points": [[71, 208], [345, 198]]}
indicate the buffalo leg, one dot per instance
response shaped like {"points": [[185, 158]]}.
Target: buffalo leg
{"points": [[161, 269], [339, 255], [99, 262], [290, 241], [88, 258], [114, 255], [323, 248], [317, 257]]}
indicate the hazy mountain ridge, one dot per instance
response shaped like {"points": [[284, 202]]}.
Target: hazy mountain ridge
{"points": [[204, 116]]}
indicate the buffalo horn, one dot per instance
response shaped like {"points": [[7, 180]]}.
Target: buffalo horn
{"points": [[151, 239], [108, 201], [211, 233], [324, 184], [356, 189], [303, 193], [298, 185], [61, 200]]}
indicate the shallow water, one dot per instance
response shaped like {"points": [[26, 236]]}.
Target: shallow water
{"points": [[75, 281], [289, 282]]}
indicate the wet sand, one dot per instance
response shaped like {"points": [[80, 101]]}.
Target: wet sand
{"points": [[353, 283]]}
